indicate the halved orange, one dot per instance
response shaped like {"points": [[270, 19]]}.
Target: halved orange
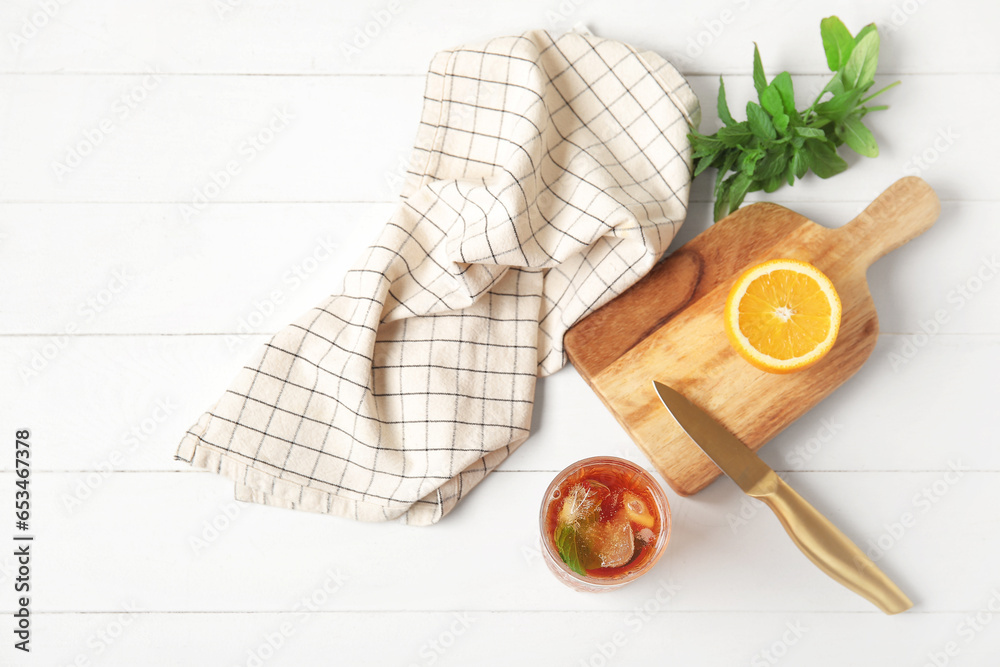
{"points": [[783, 315]]}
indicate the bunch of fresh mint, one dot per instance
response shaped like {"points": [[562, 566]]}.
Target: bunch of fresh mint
{"points": [[777, 143]]}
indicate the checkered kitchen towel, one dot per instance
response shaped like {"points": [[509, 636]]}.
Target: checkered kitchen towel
{"points": [[548, 175]]}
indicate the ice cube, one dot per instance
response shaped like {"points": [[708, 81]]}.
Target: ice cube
{"points": [[611, 542], [580, 504]]}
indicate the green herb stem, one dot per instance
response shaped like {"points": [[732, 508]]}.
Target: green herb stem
{"points": [[777, 144]]}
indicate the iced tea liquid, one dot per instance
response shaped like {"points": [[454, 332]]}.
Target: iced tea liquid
{"points": [[605, 519]]}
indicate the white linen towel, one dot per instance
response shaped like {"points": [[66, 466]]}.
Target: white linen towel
{"points": [[549, 174]]}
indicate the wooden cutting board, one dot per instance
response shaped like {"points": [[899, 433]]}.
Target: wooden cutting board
{"points": [[669, 327]]}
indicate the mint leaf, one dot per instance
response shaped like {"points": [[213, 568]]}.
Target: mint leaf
{"points": [[703, 163], [770, 99], [864, 31], [772, 165], [759, 80], [799, 164], [837, 42], [737, 135], [760, 122], [749, 159], [783, 84], [838, 107], [859, 70], [569, 546], [723, 108], [702, 145], [859, 137], [721, 208], [810, 133], [738, 190], [823, 158], [773, 183], [781, 123], [834, 86]]}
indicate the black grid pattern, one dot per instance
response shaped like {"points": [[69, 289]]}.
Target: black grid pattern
{"points": [[548, 175]]}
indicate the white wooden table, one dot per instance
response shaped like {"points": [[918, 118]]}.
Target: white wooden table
{"points": [[137, 276]]}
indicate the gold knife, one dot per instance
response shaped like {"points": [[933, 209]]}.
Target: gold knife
{"points": [[824, 544]]}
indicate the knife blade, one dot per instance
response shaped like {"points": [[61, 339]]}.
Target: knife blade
{"points": [[822, 542]]}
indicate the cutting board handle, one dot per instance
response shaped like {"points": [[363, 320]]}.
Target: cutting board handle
{"points": [[903, 212]]}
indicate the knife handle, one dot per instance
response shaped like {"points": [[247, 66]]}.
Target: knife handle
{"points": [[831, 550]]}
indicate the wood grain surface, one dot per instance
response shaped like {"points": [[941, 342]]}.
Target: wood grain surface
{"points": [[669, 327]]}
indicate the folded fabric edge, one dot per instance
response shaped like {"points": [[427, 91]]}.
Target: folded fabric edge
{"points": [[261, 487], [681, 95], [257, 486], [679, 91], [458, 487]]}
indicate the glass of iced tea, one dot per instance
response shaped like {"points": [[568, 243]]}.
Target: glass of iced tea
{"points": [[605, 521]]}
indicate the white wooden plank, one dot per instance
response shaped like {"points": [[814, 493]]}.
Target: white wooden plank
{"points": [[314, 37], [720, 638], [908, 408], [132, 542], [143, 392], [243, 268], [195, 140], [127, 401], [349, 136], [255, 267]]}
